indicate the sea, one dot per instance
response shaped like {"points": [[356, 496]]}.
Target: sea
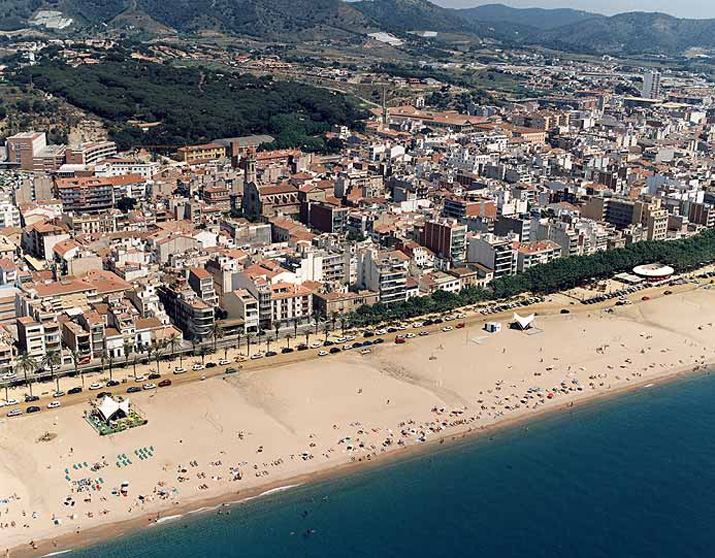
{"points": [[632, 476]]}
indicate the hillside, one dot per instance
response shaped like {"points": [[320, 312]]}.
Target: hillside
{"points": [[412, 15], [634, 32], [192, 105], [529, 18]]}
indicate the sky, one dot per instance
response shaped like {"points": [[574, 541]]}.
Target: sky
{"points": [[679, 8]]}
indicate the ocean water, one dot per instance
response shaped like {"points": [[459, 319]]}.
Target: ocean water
{"points": [[630, 477]]}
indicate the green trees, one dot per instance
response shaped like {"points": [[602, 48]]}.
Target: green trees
{"points": [[555, 276], [194, 105], [25, 364], [53, 360]]}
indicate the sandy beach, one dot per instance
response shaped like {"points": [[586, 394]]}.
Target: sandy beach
{"points": [[231, 437]]}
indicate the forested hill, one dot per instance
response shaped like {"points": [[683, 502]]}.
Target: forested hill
{"points": [[193, 105]]}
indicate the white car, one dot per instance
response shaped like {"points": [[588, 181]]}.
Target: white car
{"points": [[197, 366], [316, 345], [224, 362], [381, 332], [11, 402], [139, 379], [15, 413], [365, 352], [149, 386], [53, 404], [417, 324], [350, 338], [448, 318], [447, 328], [95, 386], [58, 394], [179, 370], [423, 333], [256, 356], [409, 335], [323, 353]]}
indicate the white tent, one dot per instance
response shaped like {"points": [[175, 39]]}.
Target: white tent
{"points": [[523, 322], [110, 408]]}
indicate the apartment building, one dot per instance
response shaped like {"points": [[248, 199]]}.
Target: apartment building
{"points": [[202, 283], [187, 311], [384, 272], [40, 239], [241, 304], [30, 151], [31, 338], [9, 215], [289, 301], [343, 302], [534, 253], [85, 194], [447, 239], [90, 153], [496, 254]]}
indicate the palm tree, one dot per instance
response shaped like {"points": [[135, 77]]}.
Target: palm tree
{"points": [[75, 361], [316, 320], [307, 337], [238, 340], [127, 350], [24, 364], [173, 342], [333, 319], [110, 360], [277, 325], [248, 344], [216, 333], [134, 364], [295, 326], [158, 351], [343, 323], [53, 359], [326, 328]]}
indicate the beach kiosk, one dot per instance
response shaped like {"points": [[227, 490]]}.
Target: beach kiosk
{"points": [[523, 323], [111, 415]]}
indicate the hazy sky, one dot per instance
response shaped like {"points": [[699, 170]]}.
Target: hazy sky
{"points": [[680, 8]]}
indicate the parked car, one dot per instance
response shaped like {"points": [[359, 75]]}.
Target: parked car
{"points": [[367, 334], [322, 353], [231, 370], [33, 409], [303, 347], [95, 386], [286, 350], [54, 404], [15, 413], [224, 362], [31, 398], [378, 341], [210, 365], [271, 353], [154, 376], [149, 386], [59, 394], [165, 383], [334, 350], [74, 390], [112, 383], [103, 394], [134, 389], [197, 366]]}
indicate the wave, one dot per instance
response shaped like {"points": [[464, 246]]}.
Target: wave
{"points": [[167, 518], [56, 553], [278, 489]]}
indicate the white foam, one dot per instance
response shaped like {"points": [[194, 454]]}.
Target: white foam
{"points": [[279, 489], [57, 553], [168, 518]]}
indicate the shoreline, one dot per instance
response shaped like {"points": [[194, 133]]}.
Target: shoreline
{"points": [[72, 542]]}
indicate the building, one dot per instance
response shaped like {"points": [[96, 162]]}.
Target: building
{"points": [[90, 153], [343, 303], [187, 311], [31, 338], [243, 305], [447, 239], [384, 272], [534, 253], [201, 153], [29, 151], [651, 85], [497, 254], [202, 283], [289, 301], [85, 194], [39, 240]]}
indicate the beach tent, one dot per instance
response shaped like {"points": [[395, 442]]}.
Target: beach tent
{"points": [[522, 322], [111, 409]]}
